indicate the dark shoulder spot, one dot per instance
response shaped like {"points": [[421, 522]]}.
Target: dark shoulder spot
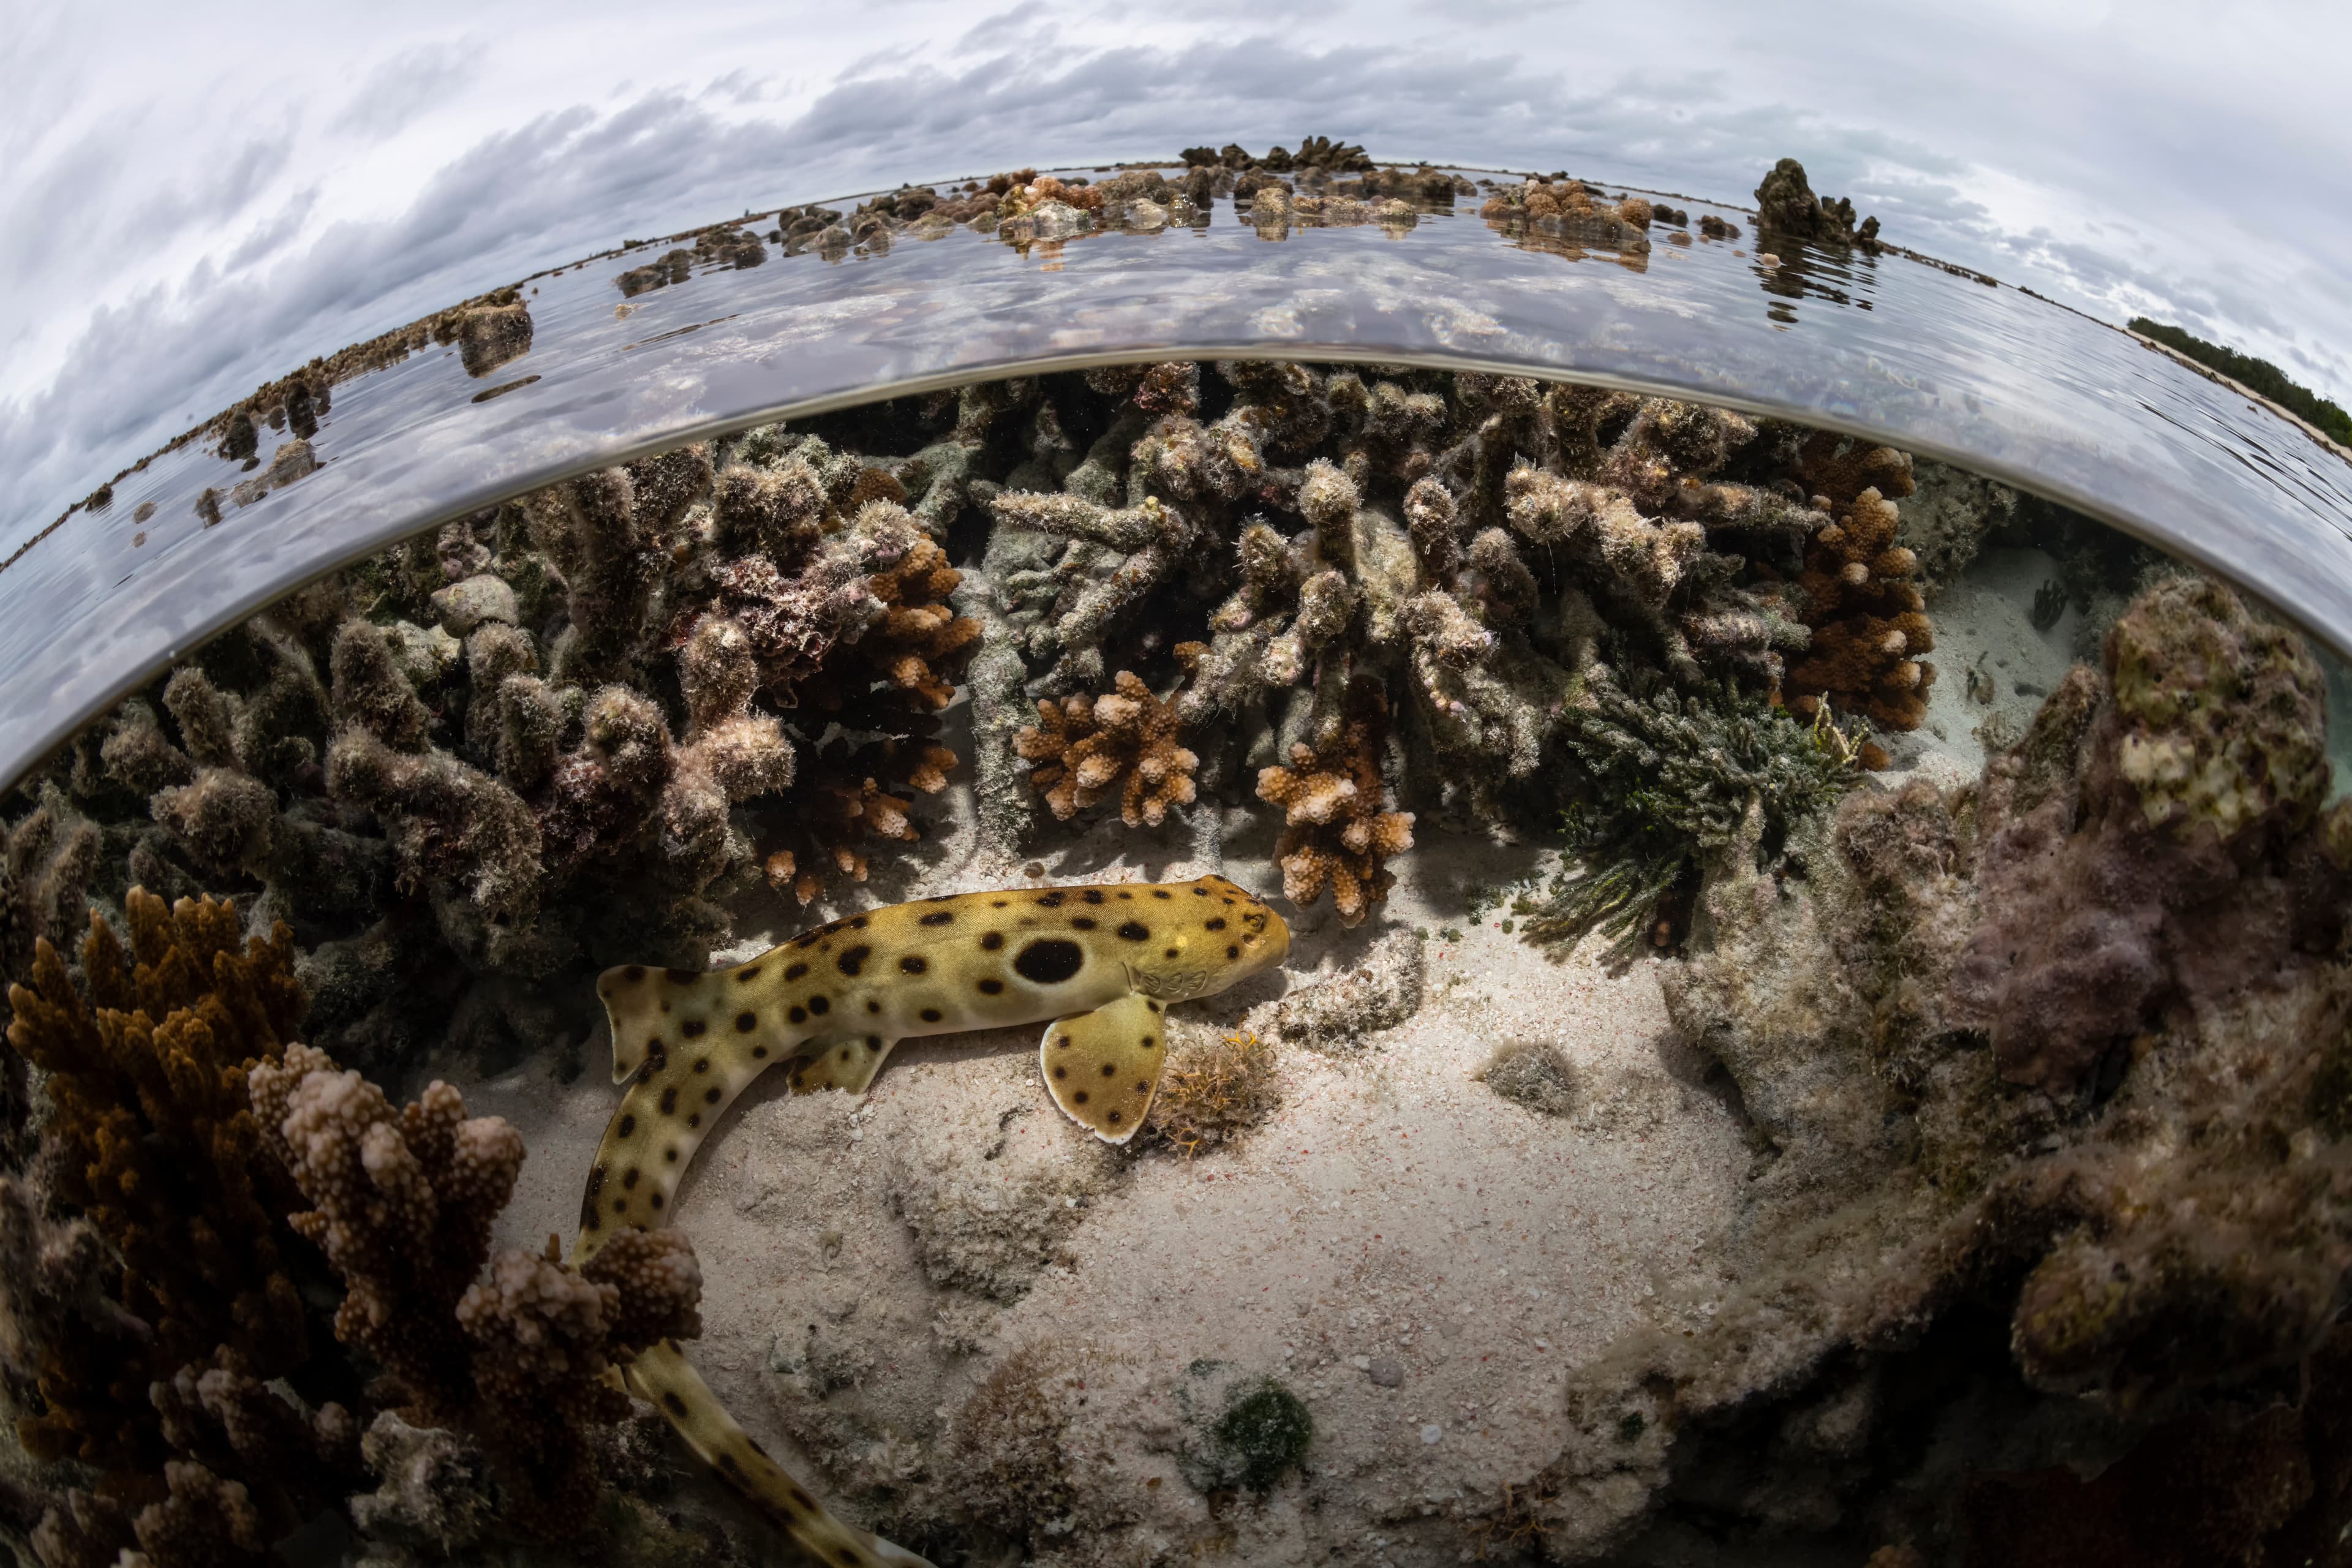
{"points": [[853, 960], [1049, 961]]}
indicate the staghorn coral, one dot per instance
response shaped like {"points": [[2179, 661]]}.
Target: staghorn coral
{"points": [[403, 1206], [1085, 748], [1335, 832]]}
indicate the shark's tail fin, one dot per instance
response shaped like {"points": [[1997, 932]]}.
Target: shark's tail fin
{"points": [[664, 1376]]}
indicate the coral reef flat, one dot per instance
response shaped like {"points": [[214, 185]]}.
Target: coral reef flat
{"points": [[1813, 1020], [1411, 1253]]}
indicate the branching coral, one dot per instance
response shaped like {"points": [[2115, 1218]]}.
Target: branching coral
{"points": [[1335, 832], [403, 1206], [1868, 620], [156, 1143], [1085, 748]]}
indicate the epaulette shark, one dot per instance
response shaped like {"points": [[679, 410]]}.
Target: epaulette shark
{"points": [[1102, 964]]}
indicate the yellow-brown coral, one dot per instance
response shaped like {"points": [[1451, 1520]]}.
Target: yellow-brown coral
{"points": [[1335, 831], [1868, 621], [156, 1142], [1084, 747]]}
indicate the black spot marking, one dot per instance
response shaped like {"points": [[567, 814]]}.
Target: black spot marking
{"points": [[681, 976], [820, 1006], [710, 1096], [669, 1100], [629, 1177], [913, 963], [727, 1462], [999, 903], [798, 1015], [1128, 897], [1232, 951], [1092, 895], [760, 1053], [746, 1022], [695, 1120], [858, 924], [794, 971], [657, 1057], [1229, 903], [992, 940], [1150, 1041], [991, 987], [590, 1222], [1161, 893], [670, 1155], [1136, 930], [1061, 1072], [658, 1200], [1200, 892], [853, 959], [620, 1206], [628, 1125], [1109, 1071], [676, 1406], [1143, 1089], [872, 1006], [1153, 1002], [1051, 900], [1217, 924], [938, 918], [930, 1015], [748, 974], [693, 1028], [1064, 1043], [634, 973], [1170, 952], [703, 1064], [1080, 1097], [1083, 923], [1114, 1119], [1049, 961], [873, 1042]]}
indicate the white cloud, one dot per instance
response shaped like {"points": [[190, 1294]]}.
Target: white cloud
{"points": [[188, 213]]}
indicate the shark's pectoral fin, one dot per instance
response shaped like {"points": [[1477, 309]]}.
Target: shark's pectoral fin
{"points": [[847, 1063], [1104, 1065]]}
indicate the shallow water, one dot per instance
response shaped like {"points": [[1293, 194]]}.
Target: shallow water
{"points": [[1940, 1150], [1888, 347]]}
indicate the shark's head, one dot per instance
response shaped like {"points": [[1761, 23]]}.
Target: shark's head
{"points": [[1206, 935]]}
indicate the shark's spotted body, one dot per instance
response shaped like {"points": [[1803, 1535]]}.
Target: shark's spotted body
{"points": [[1103, 964]]}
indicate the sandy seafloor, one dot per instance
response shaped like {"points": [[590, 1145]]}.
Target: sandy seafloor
{"points": [[1418, 1259]]}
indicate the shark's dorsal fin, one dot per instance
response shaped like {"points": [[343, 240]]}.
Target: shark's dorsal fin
{"points": [[1103, 1067]]}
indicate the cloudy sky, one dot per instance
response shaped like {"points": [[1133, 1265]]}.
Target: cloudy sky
{"points": [[193, 201]]}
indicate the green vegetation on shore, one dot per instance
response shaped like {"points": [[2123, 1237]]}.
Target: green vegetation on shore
{"points": [[2258, 374]]}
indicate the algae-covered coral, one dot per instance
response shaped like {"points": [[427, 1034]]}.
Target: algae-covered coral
{"points": [[2041, 1067]]}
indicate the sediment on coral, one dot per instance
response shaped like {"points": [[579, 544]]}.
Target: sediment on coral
{"points": [[2013, 1117]]}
